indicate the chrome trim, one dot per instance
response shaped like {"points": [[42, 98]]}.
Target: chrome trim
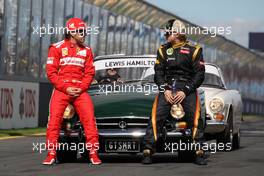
{"points": [[173, 134], [131, 133], [123, 117], [215, 127], [107, 124], [128, 124], [137, 124], [70, 134], [212, 122], [122, 134]]}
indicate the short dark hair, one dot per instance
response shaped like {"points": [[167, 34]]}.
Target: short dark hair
{"points": [[182, 37]]}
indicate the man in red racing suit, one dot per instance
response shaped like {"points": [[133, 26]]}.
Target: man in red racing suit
{"points": [[70, 69]]}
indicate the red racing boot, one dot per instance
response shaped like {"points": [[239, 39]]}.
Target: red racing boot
{"points": [[50, 159], [94, 158]]}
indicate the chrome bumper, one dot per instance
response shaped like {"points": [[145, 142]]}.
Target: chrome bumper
{"points": [[215, 127], [125, 133], [131, 133], [73, 133]]}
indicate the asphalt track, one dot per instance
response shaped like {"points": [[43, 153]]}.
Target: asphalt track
{"points": [[18, 158]]}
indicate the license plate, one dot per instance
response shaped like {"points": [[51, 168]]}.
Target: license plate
{"points": [[122, 146]]}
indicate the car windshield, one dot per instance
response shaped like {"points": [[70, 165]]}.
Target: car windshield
{"points": [[122, 74], [123, 70], [136, 69], [212, 80]]}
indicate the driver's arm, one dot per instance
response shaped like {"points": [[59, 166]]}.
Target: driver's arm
{"points": [[52, 69], [159, 67], [199, 70], [89, 71]]}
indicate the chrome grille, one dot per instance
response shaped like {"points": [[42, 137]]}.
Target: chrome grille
{"points": [[121, 122]]}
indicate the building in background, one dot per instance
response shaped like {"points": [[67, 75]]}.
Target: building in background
{"points": [[256, 40]]}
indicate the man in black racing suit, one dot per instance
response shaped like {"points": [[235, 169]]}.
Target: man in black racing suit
{"points": [[180, 61]]}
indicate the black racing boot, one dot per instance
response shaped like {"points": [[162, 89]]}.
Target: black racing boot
{"points": [[147, 156], [199, 160]]}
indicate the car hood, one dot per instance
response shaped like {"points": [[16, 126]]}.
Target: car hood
{"points": [[211, 92], [122, 104]]}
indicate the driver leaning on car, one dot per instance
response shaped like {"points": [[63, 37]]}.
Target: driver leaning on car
{"points": [[70, 69], [179, 61]]}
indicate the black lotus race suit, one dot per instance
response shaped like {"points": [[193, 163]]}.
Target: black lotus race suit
{"points": [[184, 63]]}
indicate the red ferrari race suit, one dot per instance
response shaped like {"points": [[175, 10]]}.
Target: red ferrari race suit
{"points": [[71, 65]]}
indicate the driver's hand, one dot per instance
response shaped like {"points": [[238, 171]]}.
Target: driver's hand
{"points": [[168, 96], [119, 80], [94, 82], [73, 91], [179, 97]]}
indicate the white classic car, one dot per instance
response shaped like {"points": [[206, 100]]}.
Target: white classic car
{"points": [[223, 108]]}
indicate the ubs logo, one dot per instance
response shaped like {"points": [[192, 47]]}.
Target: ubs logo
{"points": [[6, 102], [27, 106], [21, 104]]}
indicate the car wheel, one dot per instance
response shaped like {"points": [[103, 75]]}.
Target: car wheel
{"points": [[225, 139], [236, 140]]}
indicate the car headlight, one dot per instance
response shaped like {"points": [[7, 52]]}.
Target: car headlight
{"points": [[69, 112], [216, 105]]}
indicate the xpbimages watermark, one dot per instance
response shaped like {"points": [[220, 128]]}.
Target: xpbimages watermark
{"points": [[190, 146], [196, 30], [147, 89], [50, 30], [81, 147]]}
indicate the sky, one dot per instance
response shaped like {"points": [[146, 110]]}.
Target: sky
{"points": [[243, 16]]}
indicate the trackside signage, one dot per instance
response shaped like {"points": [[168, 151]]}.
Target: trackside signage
{"points": [[18, 104]]}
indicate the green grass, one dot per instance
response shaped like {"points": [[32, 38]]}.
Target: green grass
{"points": [[21, 132]]}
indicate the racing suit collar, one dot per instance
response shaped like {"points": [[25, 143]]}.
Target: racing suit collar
{"points": [[73, 45], [178, 45]]}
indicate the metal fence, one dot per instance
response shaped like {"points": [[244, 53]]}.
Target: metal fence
{"points": [[24, 50]]}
